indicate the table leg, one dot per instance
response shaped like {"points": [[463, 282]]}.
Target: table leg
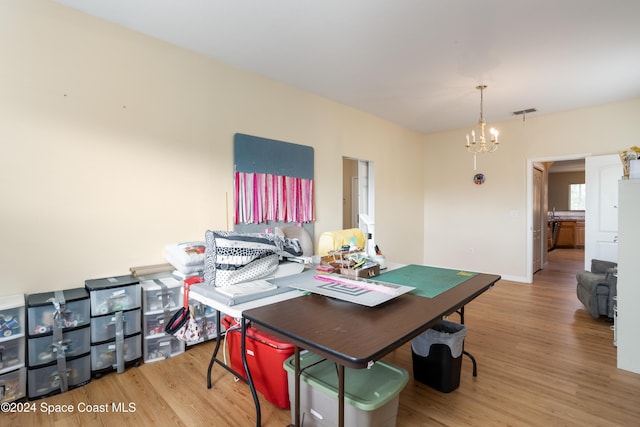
{"points": [[466, 353], [214, 359], [215, 350], [341, 395], [296, 413], [248, 372]]}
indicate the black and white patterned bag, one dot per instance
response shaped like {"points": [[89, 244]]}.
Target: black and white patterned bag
{"points": [[232, 257]]}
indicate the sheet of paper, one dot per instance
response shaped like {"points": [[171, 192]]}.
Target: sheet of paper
{"points": [[363, 294]]}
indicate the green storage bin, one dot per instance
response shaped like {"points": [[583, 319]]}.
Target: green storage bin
{"points": [[371, 395]]}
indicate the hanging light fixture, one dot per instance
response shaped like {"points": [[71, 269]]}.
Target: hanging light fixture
{"points": [[480, 145]]}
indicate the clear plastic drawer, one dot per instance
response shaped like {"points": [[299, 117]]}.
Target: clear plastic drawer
{"points": [[208, 326], [154, 323], [161, 347], [11, 316], [42, 309], [115, 299], [112, 294], [11, 354], [104, 356], [13, 385], [46, 380], [43, 350], [103, 328], [161, 294]]}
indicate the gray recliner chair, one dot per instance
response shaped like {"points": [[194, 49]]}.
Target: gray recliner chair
{"points": [[596, 288]]}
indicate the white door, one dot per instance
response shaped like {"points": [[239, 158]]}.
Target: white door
{"points": [[602, 174], [355, 202], [537, 219]]}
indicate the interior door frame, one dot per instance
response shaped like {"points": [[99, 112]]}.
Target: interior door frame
{"points": [[365, 202], [530, 166], [538, 207]]}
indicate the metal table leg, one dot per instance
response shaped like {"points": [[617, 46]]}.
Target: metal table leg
{"points": [[466, 353], [215, 350], [243, 349], [341, 395], [248, 372]]}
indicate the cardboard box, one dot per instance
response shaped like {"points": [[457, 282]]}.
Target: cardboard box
{"points": [[343, 265], [363, 273]]}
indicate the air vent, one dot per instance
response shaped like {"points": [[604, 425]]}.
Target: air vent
{"points": [[524, 113]]}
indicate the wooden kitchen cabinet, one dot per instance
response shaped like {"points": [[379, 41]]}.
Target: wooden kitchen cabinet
{"points": [[580, 234], [567, 234]]}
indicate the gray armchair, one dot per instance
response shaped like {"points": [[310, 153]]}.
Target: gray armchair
{"points": [[596, 288]]}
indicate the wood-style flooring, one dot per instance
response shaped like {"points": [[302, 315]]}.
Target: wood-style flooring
{"points": [[542, 361]]}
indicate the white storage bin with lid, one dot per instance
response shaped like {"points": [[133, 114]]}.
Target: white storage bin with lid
{"points": [[13, 385], [42, 350], [371, 395], [113, 294], [11, 316], [103, 328], [42, 308]]}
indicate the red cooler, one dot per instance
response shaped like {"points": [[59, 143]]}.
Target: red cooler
{"points": [[266, 356]]}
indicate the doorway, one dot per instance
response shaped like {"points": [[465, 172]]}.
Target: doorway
{"points": [[542, 201], [358, 195]]}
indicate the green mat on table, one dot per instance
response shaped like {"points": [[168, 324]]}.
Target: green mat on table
{"points": [[428, 281]]}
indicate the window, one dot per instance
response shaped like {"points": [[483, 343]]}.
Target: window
{"points": [[576, 197]]}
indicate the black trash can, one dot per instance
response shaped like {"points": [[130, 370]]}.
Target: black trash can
{"points": [[437, 356]]}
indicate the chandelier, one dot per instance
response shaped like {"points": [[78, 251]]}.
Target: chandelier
{"points": [[480, 145]]}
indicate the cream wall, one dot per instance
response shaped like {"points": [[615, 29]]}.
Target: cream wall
{"points": [[114, 144], [485, 228]]}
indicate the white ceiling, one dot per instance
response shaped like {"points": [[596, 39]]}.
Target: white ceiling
{"points": [[413, 62]]}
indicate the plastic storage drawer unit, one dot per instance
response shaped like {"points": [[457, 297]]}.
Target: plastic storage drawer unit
{"points": [[13, 374], [58, 341], [115, 313], [265, 357], [371, 395], [161, 298]]}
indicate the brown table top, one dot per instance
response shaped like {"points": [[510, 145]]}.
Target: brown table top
{"points": [[352, 334]]}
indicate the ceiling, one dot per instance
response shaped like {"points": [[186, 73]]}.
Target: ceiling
{"points": [[413, 62]]}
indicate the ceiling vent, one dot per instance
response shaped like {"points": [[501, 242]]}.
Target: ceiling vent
{"points": [[524, 113]]}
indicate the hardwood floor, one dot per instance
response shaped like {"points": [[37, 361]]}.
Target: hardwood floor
{"points": [[542, 361]]}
